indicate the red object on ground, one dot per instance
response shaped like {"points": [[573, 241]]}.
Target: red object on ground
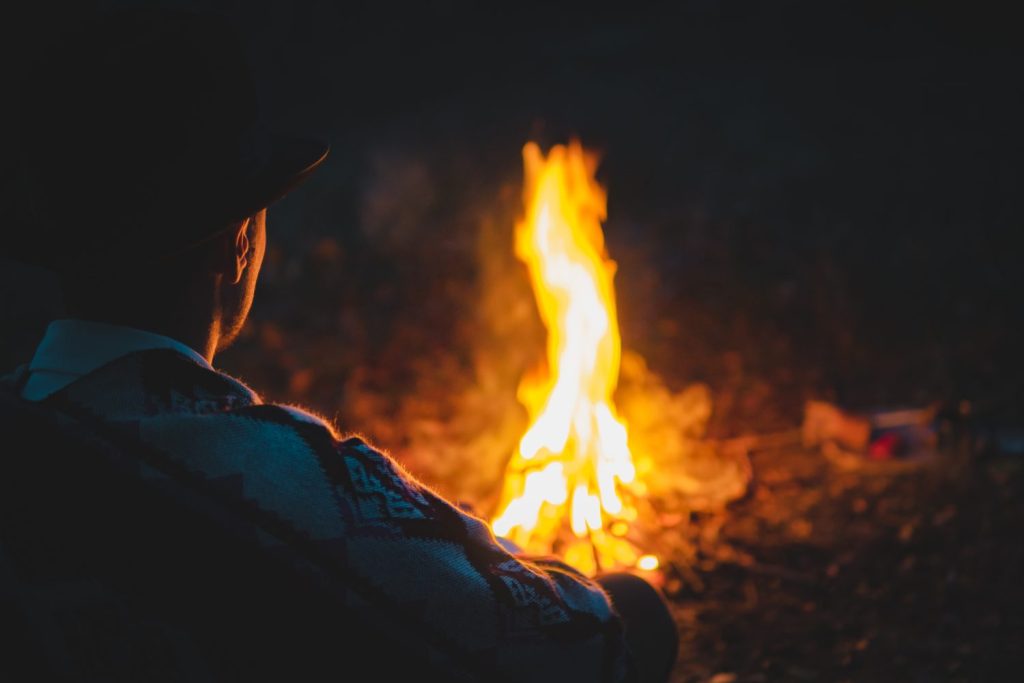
{"points": [[885, 447]]}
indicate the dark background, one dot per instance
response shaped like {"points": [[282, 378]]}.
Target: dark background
{"points": [[820, 195]]}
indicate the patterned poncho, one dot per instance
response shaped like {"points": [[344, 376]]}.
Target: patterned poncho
{"points": [[399, 555]]}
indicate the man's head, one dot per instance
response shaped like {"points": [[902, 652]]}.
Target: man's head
{"points": [[200, 295], [149, 192]]}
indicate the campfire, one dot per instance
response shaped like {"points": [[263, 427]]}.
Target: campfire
{"points": [[571, 483], [530, 411]]}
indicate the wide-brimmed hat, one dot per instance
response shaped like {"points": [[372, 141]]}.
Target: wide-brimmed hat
{"points": [[140, 135]]}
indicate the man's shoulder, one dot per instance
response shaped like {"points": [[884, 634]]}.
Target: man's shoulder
{"points": [[297, 416], [303, 445], [291, 462], [215, 426], [154, 382]]}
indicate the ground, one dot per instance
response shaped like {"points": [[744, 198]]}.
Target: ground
{"points": [[861, 575]]}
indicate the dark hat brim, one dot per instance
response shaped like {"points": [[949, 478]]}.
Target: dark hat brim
{"points": [[290, 162], [286, 162], [163, 149]]}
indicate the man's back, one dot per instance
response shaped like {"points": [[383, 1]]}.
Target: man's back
{"points": [[244, 518], [107, 577]]}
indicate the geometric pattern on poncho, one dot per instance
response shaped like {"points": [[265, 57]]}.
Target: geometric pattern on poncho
{"points": [[407, 554]]}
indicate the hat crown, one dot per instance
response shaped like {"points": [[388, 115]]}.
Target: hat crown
{"points": [[136, 82], [138, 120], [131, 121]]}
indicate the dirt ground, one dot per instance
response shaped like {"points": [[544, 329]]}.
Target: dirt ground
{"points": [[860, 575]]}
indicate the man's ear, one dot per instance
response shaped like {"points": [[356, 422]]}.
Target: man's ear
{"points": [[240, 251]]}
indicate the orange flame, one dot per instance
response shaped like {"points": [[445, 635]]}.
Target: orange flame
{"points": [[573, 461]]}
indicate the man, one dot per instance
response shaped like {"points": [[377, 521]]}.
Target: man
{"points": [[236, 539]]}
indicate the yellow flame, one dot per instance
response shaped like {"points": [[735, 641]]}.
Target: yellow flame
{"points": [[575, 442]]}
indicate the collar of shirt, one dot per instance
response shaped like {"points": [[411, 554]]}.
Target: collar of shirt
{"points": [[73, 348]]}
